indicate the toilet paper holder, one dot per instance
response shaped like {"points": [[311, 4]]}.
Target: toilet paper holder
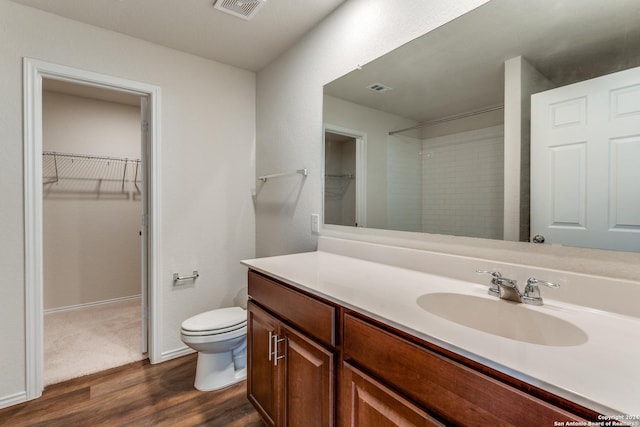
{"points": [[177, 278]]}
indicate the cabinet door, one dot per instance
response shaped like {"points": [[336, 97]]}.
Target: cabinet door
{"points": [[367, 403], [308, 378], [262, 387]]}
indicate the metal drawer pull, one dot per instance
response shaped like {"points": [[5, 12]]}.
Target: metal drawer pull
{"points": [[273, 348]]}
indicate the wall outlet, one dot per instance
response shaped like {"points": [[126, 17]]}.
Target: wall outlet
{"points": [[315, 223]]}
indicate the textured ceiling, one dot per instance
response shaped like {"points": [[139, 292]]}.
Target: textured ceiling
{"points": [[196, 27]]}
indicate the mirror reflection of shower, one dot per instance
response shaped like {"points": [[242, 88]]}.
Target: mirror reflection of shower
{"points": [[339, 179]]}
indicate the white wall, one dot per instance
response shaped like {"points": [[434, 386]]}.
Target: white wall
{"points": [[91, 243], [450, 184], [404, 176], [289, 109], [521, 81], [289, 106], [376, 125], [207, 143], [289, 135]]}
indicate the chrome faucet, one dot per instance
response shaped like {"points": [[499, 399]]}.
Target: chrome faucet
{"points": [[505, 288]]}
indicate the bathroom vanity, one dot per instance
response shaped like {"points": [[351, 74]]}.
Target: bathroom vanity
{"points": [[342, 340]]}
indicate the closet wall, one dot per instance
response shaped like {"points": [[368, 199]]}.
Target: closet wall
{"points": [[91, 239]]}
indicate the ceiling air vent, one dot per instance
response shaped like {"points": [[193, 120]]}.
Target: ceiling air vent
{"points": [[245, 9], [378, 87]]}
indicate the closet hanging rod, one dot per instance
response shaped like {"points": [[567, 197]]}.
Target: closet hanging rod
{"points": [[302, 172], [449, 119]]}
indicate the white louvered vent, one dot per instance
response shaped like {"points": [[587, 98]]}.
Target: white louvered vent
{"points": [[378, 87], [245, 9]]}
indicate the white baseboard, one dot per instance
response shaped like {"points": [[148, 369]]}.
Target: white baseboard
{"points": [[13, 399], [178, 352], [90, 304]]}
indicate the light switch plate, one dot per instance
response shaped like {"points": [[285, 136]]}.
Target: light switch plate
{"points": [[315, 223]]}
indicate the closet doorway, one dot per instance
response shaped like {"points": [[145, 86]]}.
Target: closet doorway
{"points": [[92, 205], [139, 187], [345, 176]]}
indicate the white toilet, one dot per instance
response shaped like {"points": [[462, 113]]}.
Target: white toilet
{"points": [[220, 338]]}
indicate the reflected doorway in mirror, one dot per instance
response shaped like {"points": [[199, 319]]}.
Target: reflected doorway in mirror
{"points": [[344, 176]]}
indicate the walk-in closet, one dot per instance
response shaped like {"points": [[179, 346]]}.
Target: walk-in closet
{"points": [[92, 257]]}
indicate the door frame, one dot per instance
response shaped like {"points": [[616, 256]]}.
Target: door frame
{"points": [[361, 168], [33, 72]]}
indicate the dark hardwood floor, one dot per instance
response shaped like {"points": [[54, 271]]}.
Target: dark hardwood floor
{"points": [[138, 394]]}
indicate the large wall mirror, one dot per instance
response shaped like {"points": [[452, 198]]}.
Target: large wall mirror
{"points": [[517, 121]]}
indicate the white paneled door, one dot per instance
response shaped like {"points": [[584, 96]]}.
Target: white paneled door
{"points": [[585, 163]]}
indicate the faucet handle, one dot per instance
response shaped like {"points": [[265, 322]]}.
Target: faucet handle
{"points": [[532, 291], [495, 274], [494, 290], [533, 281]]}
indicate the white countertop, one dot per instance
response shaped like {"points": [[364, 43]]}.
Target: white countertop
{"points": [[602, 374]]}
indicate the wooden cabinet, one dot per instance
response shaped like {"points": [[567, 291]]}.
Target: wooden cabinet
{"points": [[262, 384], [367, 402], [315, 318], [291, 375], [448, 390], [385, 377], [308, 379]]}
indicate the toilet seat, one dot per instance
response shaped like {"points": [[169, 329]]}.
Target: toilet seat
{"points": [[215, 322]]}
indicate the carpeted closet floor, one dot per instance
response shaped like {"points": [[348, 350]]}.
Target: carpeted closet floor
{"points": [[87, 340]]}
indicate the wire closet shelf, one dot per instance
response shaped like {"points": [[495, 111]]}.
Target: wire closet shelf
{"points": [[80, 174]]}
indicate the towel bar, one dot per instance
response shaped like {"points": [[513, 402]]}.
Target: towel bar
{"points": [[303, 172], [178, 278]]}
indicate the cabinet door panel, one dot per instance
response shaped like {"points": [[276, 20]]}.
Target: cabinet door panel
{"points": [[309, 382], [261, 381], [367, 403]]}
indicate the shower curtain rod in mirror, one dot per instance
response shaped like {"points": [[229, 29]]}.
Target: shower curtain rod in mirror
{"points": [[449, 119]]}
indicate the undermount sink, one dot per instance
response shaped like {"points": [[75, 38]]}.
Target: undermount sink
{"points": [[503, 318]]}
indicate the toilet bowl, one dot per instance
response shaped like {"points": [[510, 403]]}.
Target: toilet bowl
{"points": [[220, 338]]}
